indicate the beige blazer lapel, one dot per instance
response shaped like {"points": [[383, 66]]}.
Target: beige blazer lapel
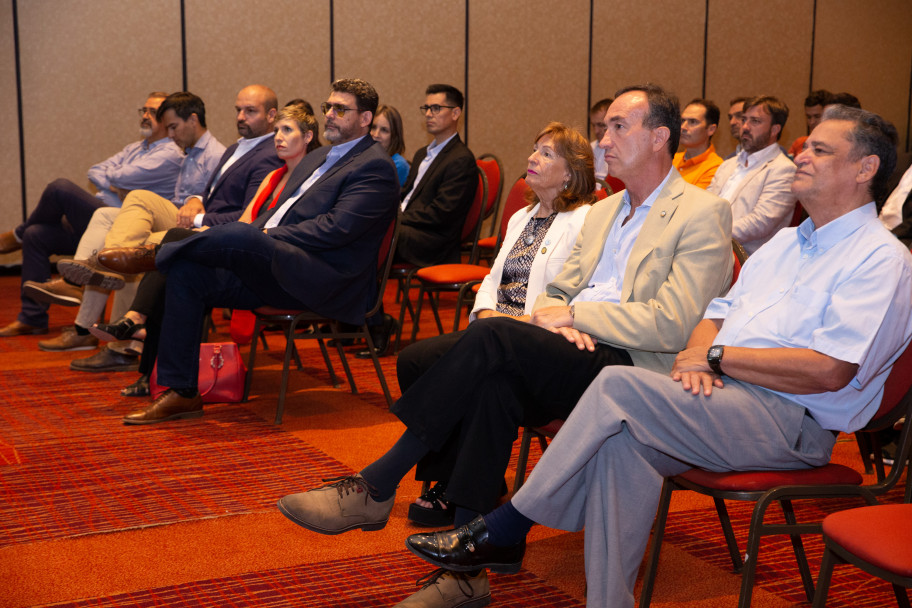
{"points": [[657, 219]]}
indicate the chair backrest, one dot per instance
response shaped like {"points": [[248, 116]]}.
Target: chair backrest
{"points": [[896, 388], [471, 229], [385, 262], [516, 200], [798, 215], [615, 184], [493, 170], [602, 193]]}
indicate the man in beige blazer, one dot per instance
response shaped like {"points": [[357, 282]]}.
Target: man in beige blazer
{"points": [[645, 266], [757, 182]]}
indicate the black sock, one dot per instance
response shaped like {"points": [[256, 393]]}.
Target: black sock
{"points": [[186, 393], [81, 331], [385, 473], [507, 526]]}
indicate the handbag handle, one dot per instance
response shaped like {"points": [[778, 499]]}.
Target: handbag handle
{"points": [[216, 362]]}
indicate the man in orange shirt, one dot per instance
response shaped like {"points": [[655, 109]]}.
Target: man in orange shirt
{"points": [[698, 161]]}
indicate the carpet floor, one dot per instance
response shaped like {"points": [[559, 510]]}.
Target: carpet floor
{"points": [[95, 513]]}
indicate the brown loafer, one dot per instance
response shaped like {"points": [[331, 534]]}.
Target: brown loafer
{"points": [[21, 329], [9, 243], [55, 291], [128, 260], [169, 406]]}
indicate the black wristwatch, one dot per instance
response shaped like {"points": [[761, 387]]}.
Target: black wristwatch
{"points": [[714, 357]]}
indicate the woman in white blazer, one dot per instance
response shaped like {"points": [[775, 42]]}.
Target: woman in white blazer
{"points": [[539, 239]]}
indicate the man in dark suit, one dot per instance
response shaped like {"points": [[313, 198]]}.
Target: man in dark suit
{"points": [[316, 249], [440, 186]]}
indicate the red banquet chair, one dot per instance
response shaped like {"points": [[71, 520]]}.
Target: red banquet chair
{"points": [[290, 320], [875, 539], [765, 488]]}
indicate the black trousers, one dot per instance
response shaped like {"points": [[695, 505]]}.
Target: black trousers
{"points": [[468, 405]]}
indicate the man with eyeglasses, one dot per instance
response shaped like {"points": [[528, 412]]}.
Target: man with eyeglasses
{"points": [[316, 248], [65, 209], [436, 197]]}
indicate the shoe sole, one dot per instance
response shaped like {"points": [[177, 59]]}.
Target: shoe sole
{"points": [[108, 336], [498, 567], [127, 347], [133, 367], [49, 297], [30, 332], [430, 518], [80, 274], [366, 527], [66, 350], [181, 416]]}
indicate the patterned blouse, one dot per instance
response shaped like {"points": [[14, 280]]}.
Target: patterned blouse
{"points": [[511, 295]]}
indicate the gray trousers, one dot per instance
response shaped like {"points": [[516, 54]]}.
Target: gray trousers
{"points": [[631, 428]]}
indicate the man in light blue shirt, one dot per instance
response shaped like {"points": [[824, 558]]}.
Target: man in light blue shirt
{"points": [[798, 350], [153, 163]]}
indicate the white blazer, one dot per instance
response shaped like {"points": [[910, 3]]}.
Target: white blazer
{"points": [[558, 244]]}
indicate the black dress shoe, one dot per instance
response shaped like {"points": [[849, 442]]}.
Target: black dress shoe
{"points": [[466, 549], [382, 336], [121, 329]]}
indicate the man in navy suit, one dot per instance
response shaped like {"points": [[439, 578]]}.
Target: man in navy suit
{"points": [[316, 249]]}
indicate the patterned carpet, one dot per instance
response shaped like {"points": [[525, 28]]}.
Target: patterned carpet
{"points": [[378, 580], [77, 470]]}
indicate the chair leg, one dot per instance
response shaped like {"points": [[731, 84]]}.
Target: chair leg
{"points": [[345, 367], [286, 363], [333, 378], [658, 533], [522, 460], [434, 299], [729, 534], [377, 367], [798, 547], [417, 318], [251, 359], [823, 579], [902, 596]]}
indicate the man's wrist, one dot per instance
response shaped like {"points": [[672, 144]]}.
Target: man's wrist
{"points": [[714, 358]]}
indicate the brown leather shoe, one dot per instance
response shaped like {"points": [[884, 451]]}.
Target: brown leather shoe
{"points": [[21, 329], [69, 340], [128, 260], [89, 272], [169, 406], [55, 291], [8, 242]]}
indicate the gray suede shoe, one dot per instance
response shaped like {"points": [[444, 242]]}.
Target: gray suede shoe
{"points": [[446, 589], [339, 506]]}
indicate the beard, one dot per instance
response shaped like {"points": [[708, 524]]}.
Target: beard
{"points": [[145, 132]]}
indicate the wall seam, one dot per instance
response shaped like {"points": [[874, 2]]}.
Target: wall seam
{"points": [[332, 43], [465, 77], [19, 110], [813, 45], [587, 122], [705, 47], [183, 18]]}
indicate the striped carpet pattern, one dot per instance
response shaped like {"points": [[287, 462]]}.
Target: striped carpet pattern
{"points": [[379, 580], [77, 470]]}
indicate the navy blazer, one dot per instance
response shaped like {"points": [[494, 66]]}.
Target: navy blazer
{"points": [[328, 242], [431, 225], [230, 195]]}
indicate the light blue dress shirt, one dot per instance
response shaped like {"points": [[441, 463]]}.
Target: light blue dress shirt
{"points": [[844, 290], [140, 166], [198, 165], [607, 281]]}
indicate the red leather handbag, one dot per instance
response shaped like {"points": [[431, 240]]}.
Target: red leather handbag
{"points": [[221, 373]]}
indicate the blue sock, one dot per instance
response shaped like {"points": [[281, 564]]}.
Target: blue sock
{"points": [[507, 526], [385, 473]]}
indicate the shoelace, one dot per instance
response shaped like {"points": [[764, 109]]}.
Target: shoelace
{"points": [[350, 484], [433, 578]]}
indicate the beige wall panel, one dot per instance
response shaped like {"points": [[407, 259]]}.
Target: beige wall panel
{"points": [[10, 185], [401, 61], [86, 66], [759, 48], [660, 41], [528, 65], [867, 52], [283, 44]]}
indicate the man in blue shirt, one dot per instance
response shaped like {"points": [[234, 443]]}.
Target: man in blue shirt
{"points": [[798, 350], [153, 163], [184, 116]]}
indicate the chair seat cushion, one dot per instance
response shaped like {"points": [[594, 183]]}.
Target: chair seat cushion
{"points": [[550, 429], [880, 535], [445, 274], [489, 242], [758, 481], [269, 311]]}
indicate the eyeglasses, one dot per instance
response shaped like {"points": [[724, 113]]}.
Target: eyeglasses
{"points": [[338, 108], [435, 109], [143, 111]]}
